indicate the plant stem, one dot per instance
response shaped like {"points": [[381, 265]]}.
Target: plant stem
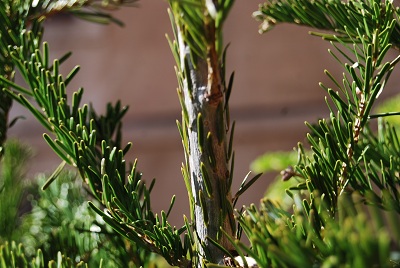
{"points": [[206, 155]]}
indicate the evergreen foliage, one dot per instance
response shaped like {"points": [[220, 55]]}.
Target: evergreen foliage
{"points": [[61, 221], [345, 202], [13, 256], [12, 188], [57, 220], [350, 165]]}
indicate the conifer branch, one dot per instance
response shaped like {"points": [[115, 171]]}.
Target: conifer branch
{"points": [[347, 19], [198, 51]]}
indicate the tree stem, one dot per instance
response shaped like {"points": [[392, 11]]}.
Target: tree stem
{"points": [[206, 157]]}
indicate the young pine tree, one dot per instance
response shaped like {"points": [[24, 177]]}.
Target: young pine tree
{"points": [[347, 181]]}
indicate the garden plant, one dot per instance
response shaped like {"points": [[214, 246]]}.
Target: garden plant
{"points": [[344, 183]]}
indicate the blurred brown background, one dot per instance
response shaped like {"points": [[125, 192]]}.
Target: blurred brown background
{"points": [[275, 90]]}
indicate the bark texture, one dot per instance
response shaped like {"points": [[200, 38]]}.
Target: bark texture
{"points": [[207, 158]]}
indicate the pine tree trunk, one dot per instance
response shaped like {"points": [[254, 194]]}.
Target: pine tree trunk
{"points": [[207, 159]]}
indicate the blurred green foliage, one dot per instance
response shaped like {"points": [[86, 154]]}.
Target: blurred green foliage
{"points": [[13, 255], [56, 220], [13, 188], [391, 104], [60, 220], [279, 164]]}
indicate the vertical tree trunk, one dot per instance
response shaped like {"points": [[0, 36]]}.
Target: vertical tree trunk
{"points": [[207, 159]]}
